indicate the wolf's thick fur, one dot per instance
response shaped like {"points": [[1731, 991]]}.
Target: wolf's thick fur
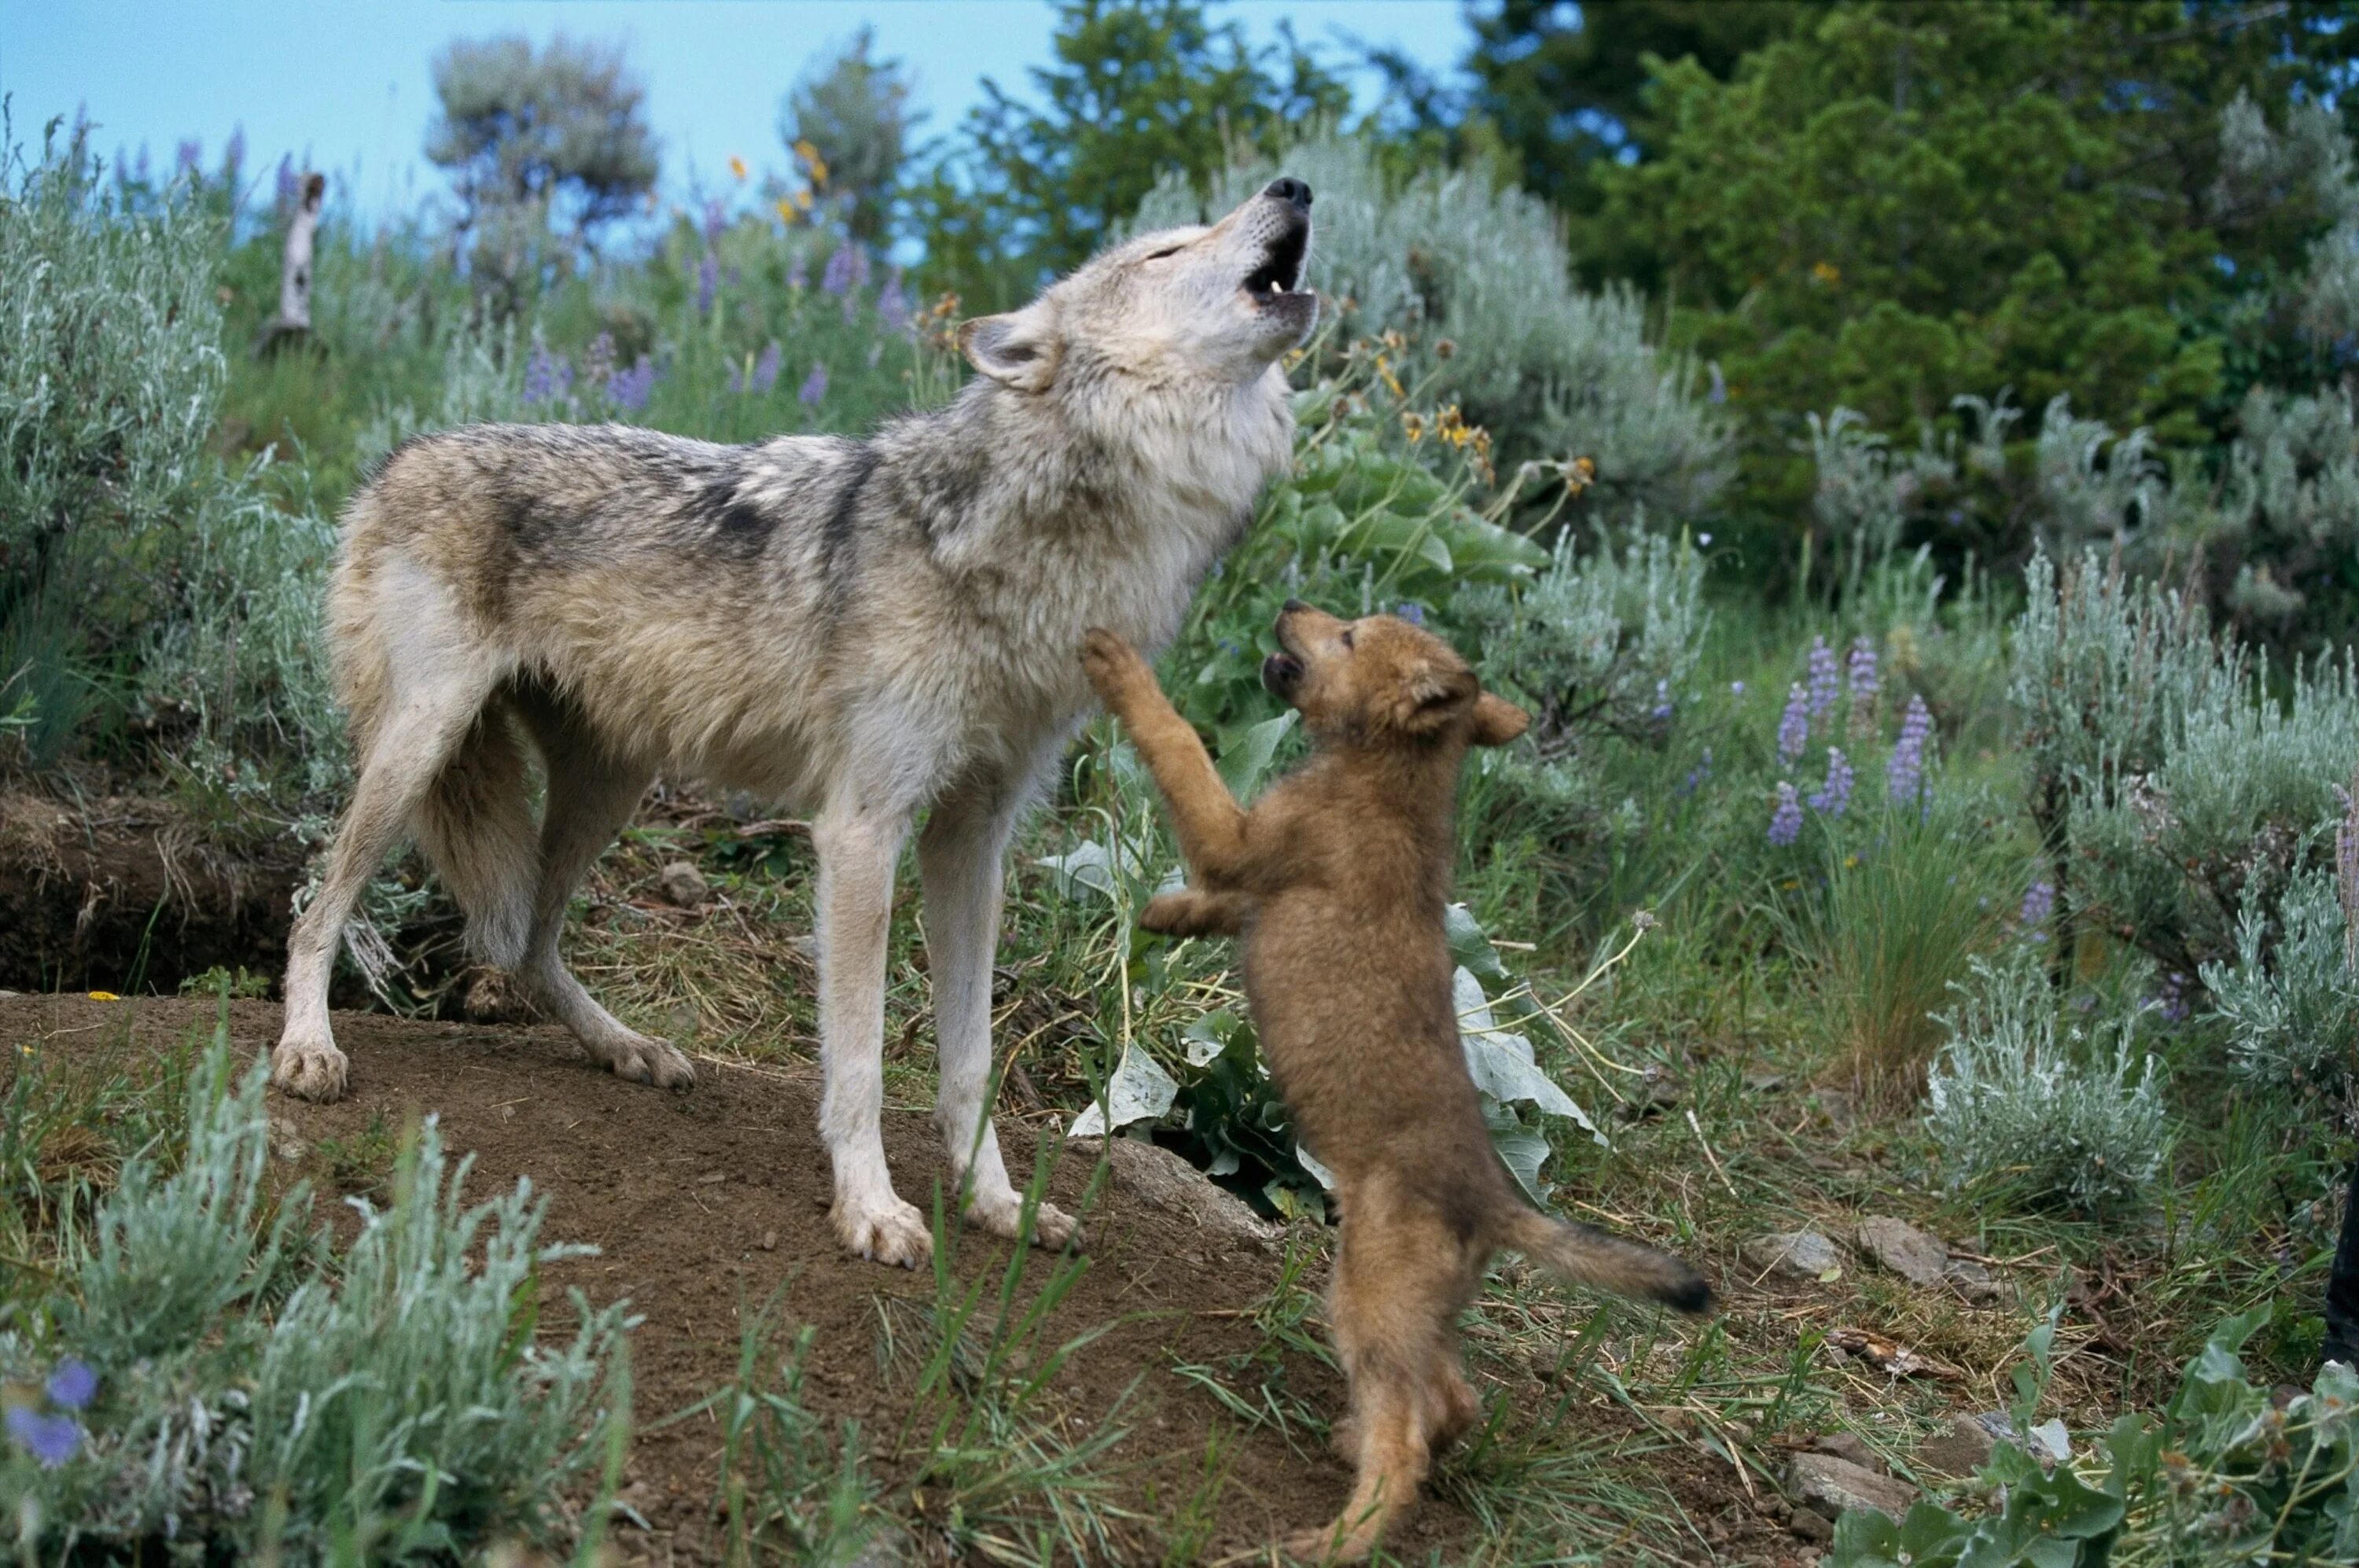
{"points": [[1338, 879], [856, 629]]}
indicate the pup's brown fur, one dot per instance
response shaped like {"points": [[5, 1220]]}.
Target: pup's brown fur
{"points": [[1337, 879]]}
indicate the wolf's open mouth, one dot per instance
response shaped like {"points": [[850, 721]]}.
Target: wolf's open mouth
{"points": [[1281, 268]]}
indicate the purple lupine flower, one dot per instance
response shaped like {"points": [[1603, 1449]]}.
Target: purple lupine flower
{"points": [[1832, 796], [2038, 903], [814, 387], [1718, 393], [48, 1438], [73, 1384], [547, 377], [1699, 776], [1736, 688], [290, 188], [1903, 771], [629, 388], [1662, 708], [234, 154], [1824, 682], [139, 170], [2170, 998], [598, 361], [847, 269], [191, 152], [708, 280], [737, 378], [891, 304], [1860, 685], [716, 222], [1785, 821], [798, 276], [1794, 726], [1412, 612], [766, 369]]}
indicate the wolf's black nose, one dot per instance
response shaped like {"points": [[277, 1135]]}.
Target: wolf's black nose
{"points": [[1293, 605], [1286, 187]]}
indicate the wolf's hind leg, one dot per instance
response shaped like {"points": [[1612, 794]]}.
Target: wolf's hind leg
{"points": [[590, 798], [858, 847], [961, 859], [415, 737], [475, 827]]}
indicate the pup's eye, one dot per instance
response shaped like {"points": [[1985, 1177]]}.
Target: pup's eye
{"points": [[1158, 255], [1347, 637]]}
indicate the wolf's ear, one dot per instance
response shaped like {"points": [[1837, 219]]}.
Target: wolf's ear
{"points": [[1497, 721], [1019, 349], [1431, 698]]}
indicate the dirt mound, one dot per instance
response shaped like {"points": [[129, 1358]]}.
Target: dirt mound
{"points": [[120, 892], [704, 1203]]}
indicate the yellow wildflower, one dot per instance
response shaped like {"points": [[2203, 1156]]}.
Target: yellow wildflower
{"points": [[812, 161], [1827, 272], [1412, 426], [736, 167], [786, 211]]}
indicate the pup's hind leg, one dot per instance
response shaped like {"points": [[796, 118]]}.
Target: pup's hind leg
{"points": [[858, 847], [1396, 1283], [429, 716], [590, 798], [961, 859]]}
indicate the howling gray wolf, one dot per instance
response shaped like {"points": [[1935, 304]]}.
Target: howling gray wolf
{"points": [[855, 630], [1338, 879]]}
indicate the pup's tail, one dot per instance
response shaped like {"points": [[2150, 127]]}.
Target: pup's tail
{"points": [[1587, 1256]]}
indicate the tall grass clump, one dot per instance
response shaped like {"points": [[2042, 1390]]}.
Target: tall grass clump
{"points": [[1477, 275], [216, 1380], [2049, 1111]]}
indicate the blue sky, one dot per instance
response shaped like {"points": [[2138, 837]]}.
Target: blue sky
{"points": [[345, 81]]}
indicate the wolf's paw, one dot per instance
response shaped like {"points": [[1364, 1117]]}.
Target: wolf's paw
{"points": [[640, 1060], [309, 1069], [1112, 664], [1002, 1213], [893, 1233]]}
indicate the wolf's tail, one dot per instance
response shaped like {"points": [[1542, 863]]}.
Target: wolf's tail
{"points": [[1587, 1256], [475, 826]]}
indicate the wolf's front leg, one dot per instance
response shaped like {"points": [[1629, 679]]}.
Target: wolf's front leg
{"points": [[1210, 822], [857, 852], [961, 858]]}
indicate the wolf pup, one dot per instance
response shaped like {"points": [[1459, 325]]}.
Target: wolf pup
{"points": [[855, 629], [1337, 879]]}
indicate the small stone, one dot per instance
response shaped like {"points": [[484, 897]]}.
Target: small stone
{"points": [[1974, 1281], [1851, 1446], [684, 884], [1802, 1256], [286, 1143], [1961, 1450], [711, 1178], [1825, 1485], [1901, 1247], [769, 1241], [1810, 1526]]}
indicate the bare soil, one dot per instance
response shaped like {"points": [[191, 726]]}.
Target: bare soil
{"points": [[702, 1204]]}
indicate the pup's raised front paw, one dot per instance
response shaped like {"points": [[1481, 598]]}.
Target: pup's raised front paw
{"points": [[1112, 664]]}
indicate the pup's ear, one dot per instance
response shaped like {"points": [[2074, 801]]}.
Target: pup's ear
{"points": [[1497, 721], [1019, 349], [1430, 697]]}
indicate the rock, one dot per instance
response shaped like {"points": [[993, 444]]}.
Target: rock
{"points": [[1825, 1485], [684, 884], [1974, 1281], [1159, 1177], [1901, 1247], [1798, 1254], [1964, 1449], [1811, 1526], [1851, 1446], [286, 1143], [769, 1241]]}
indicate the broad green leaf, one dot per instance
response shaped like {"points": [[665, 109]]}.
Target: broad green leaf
{"points": [[1246, 762]]}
